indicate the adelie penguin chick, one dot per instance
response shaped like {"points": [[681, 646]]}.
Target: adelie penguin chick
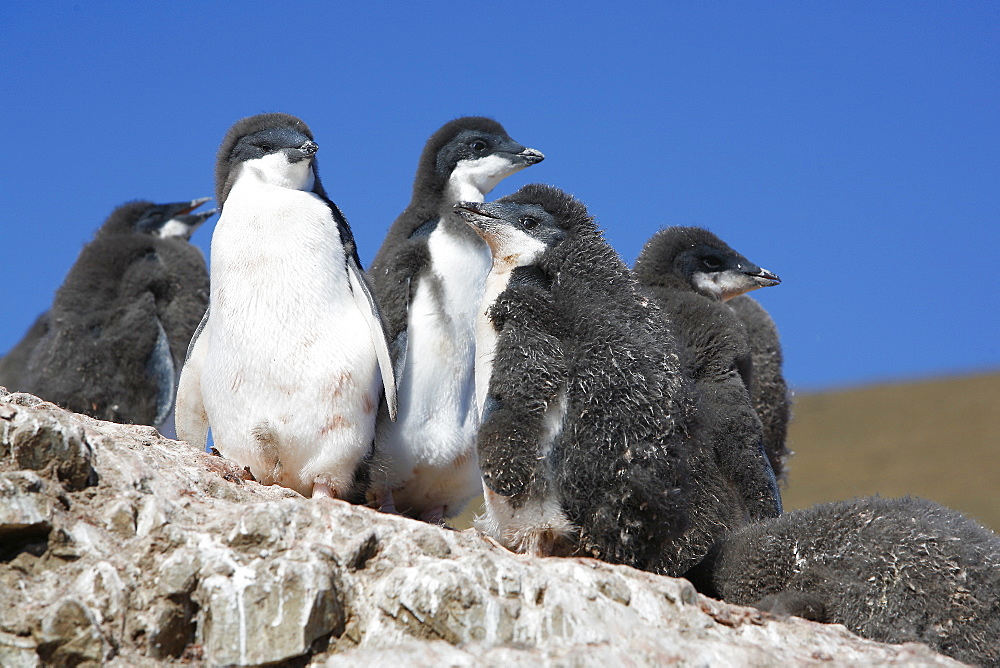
{"points": [[892, 570], [428, 277], [734, 483], [114, 340], [702, 282], [581, 390], [286, 366]]}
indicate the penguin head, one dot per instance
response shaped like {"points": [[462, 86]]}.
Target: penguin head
{"points": [[695, 259], [517, 234], [523, 227], [166, 221], [471, 155], [277, 149]]}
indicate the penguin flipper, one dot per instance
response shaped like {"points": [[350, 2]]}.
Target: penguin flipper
{"points": [[190, 418], [160, 367], [366, 304]]}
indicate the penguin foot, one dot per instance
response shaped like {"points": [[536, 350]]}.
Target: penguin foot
{"points": [[433, 515], [491, 540], [322, 490], [799, 604], [383, 501]]}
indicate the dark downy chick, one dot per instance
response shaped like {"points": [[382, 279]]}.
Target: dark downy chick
{"points": [[583, 397], [115, 338], [892, 570], [677, 264]]}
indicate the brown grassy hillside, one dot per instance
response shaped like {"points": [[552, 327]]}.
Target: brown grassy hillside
{"points": [[939, 439]]}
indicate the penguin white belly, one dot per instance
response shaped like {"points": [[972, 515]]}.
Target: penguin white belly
{"points": [[486, 334], [431, 447], [538, 525], [290, 381]]}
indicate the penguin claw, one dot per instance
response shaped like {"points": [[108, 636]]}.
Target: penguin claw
{"points": [[433, 516], [384, 500]]}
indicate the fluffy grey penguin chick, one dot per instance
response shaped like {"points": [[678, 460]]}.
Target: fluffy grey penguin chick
{"points": [[115, 337], [286, 366], [679, 263], [428, 277], [892, 570], [733, 482], [581, 388]]}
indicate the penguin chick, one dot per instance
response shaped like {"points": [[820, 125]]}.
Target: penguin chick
{"points": [[285, 367], [679, 261], [892, 570], [581, 389], [428, 277], [120, 323], [733, 480]]}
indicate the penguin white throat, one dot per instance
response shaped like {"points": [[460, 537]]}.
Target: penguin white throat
{"points": [[174, 229], [472, 180], [277, 170], [509, 252], [722, 285]]}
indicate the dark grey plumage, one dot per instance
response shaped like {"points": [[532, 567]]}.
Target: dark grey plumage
{"points": [[733, 482], [118, 330], [768, 390], [587, 400], [14, 365], [704, 277], [892, 570]]}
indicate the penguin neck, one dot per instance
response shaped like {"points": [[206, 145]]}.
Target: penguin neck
{"points": [[486, 334], [460, 188], [275, 170]]}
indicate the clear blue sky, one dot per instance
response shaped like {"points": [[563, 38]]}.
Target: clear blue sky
{"points": [[851, 147]]}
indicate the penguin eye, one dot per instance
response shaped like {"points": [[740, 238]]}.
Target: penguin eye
{"points": [[711, 263], [267, 148], [478, 146], [528, 223]]}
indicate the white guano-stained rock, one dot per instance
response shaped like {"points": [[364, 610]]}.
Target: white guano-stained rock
{"points": [[119, 547]]}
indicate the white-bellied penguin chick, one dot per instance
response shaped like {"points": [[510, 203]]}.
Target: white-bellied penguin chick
{"points": [[428, 277], [892, 570], [582, 395], [113, 342], [724, 327], [286, 366]]}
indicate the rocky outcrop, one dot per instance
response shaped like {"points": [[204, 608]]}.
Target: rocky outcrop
{"points": [[120, 547]]}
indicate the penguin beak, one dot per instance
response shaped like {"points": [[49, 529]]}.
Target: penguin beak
{"points": [[194, 221], [304, 152], [529, 156], [763, 278], [483, 221], [738, 281], [181, 208]]}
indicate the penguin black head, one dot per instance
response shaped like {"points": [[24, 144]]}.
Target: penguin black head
{"points": [[166, 221], [694, 258], [472, 151], [278, 147]]}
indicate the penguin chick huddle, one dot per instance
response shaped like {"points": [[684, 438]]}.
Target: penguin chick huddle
{"points": [[503, 348], [114, 340]]}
